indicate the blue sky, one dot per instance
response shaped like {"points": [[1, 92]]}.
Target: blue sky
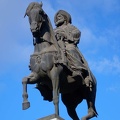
{"points": [[99, 23]]}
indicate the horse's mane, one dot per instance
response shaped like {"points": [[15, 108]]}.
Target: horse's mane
{"points": [[52, 34]]}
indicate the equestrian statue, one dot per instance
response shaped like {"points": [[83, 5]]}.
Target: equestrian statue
{"points": [[57, 65]]}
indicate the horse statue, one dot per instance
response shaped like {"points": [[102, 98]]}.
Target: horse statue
{"points": [[51, 77]]}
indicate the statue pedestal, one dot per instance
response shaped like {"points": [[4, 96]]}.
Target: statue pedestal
{"points": [[51, 117]]}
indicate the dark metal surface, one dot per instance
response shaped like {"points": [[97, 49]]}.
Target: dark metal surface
{"points": [[57, 65]]}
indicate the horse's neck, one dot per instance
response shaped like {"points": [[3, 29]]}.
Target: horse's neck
{"points": [[42, 43], [39, 47]]}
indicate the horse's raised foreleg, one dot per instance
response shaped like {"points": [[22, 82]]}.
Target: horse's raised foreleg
{"points": [[25, 104], [31, 79], [55, 83]]}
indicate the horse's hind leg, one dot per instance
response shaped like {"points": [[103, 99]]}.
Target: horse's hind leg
{"points": [[54, 73], [91, 111], [71, 101], [72, 113]]}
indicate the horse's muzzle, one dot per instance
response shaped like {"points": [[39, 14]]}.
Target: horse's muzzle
{"points": [[34, 27]]}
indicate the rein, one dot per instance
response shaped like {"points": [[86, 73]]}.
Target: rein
{"points": [[41, 40]]}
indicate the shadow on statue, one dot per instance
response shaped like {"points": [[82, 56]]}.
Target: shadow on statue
{"points": [[57, 66]]}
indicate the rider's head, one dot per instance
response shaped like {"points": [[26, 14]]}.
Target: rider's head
{"points": [[62, 17]]}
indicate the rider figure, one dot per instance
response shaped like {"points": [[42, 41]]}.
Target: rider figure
{"points": [[60, 35], [68, 36]]}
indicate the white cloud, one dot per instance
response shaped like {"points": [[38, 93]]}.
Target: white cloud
{"points": [[87, 36], [101, 50], [105, 65], [113, 89], [95, 42], [14, 52], [91, 41]]}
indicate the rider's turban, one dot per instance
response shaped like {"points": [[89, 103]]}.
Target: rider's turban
{"points": [[65, 14]]}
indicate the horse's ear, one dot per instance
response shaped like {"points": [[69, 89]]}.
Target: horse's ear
{"points": [[41, 4], [25, 14]]}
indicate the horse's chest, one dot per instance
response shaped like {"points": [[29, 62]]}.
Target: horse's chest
{"points": [[40, 63]]}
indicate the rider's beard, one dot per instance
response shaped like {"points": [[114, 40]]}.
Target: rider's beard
{"points": [[59, 22]]}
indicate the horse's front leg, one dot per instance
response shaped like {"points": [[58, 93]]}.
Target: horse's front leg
{"points": [[31, 79], [55, 83], [25, 104]]}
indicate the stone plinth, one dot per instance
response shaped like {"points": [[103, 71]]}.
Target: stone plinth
{"points": [[51, 117]]}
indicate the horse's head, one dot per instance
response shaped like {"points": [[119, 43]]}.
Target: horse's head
{"points": [[34, 12]]}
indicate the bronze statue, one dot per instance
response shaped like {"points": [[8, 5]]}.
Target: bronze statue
{"points": [[57, 66]]}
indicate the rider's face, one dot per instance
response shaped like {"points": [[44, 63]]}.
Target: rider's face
{"points": [[60, 19]]}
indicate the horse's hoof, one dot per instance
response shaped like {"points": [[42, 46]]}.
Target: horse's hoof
{"points": [[25, 105]]}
